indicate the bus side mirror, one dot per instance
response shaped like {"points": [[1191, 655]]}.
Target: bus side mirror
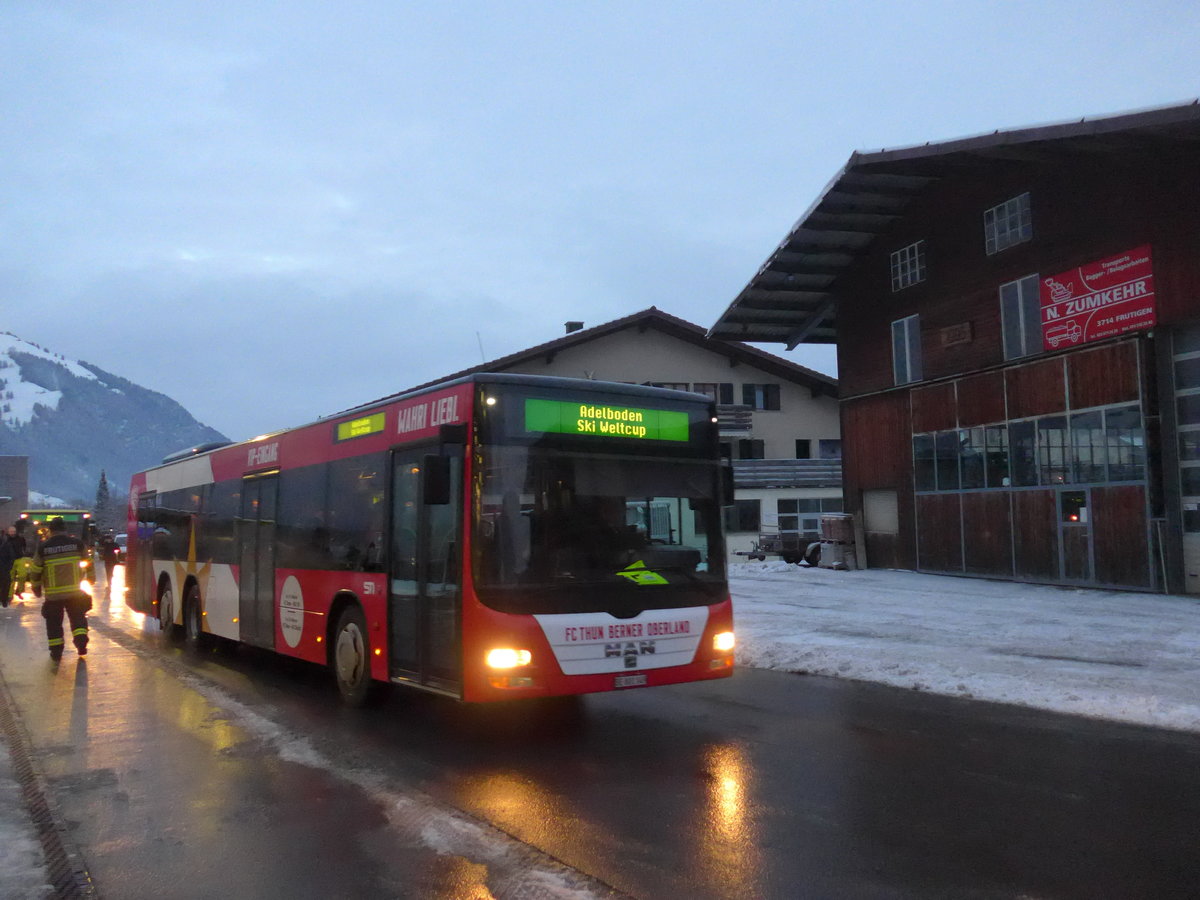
{"points": [[452, 435], [726, 485], [435, 488]]}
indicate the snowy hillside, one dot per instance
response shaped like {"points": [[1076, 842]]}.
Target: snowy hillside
{"points": [[74, 420]]}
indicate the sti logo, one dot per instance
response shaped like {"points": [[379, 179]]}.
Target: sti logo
{"points": [[630, 651]]}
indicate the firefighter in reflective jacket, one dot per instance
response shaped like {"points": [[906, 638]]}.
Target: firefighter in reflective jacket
{"points": [[59, 564]]}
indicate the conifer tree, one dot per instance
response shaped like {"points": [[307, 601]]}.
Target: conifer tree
{"points": [[103, 508]]}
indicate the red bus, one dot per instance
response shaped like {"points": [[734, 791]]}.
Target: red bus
{"points": [[492, 537]]}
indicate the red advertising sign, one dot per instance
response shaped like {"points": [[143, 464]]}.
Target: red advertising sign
{"points": [[1098, 300]]}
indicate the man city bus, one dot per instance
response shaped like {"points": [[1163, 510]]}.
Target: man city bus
{"points": [[492, 537]]}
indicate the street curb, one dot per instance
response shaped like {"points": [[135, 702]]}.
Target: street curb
{"points": [[65, 868]]}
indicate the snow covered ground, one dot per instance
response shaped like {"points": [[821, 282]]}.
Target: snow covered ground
{"points": [[1110, 655], [1115, 655]]}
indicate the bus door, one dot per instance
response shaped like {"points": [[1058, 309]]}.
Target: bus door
{"points": [[144, 591], [256, 560], [424, 574]]}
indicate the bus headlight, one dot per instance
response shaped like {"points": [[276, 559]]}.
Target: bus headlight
{"points": [[723, 642], [508, 658]]}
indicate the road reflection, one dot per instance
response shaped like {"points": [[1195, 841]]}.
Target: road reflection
{"points": [[580, 820], [111, 602], [729, 848]]}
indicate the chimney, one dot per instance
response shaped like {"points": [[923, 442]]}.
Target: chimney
{"points": [[573, 326]]}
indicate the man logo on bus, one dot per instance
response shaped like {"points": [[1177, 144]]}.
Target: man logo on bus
{"points": [[630, 651]]}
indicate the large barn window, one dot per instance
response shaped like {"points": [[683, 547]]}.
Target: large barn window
{"points": [[906, 349], [1008, 224], [1095, 446], [1021, 316], [908, 266]]}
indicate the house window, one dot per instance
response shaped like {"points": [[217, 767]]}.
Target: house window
{"points": [[803, 448], [924, 477], [744, 515], [720, 392], [1053, 450], [946, 447], [829, 449], [972, 455], [995, 467], [1022, 442], [906, 349], [908, 266], [804, 516], [1021, 317], [1125, 444], [750, 448], [1008, 224], [760, 396]]}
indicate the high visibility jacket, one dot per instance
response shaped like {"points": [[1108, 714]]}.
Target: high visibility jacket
{"points": [[59, 564]]}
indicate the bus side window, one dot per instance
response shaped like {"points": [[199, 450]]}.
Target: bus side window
{"points": [[356, 504]]}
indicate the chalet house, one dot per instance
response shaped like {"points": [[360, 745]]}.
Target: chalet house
{"points": [[778, 421], [1017, 318]]}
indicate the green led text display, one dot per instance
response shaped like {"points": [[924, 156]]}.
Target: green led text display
{"points": [[603, 420], [360, 427]]}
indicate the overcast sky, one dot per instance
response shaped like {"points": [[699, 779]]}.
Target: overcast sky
{"points": [[274, 211]]}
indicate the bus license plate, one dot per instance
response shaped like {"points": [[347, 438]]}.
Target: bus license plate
{"points": [[630, 681]]}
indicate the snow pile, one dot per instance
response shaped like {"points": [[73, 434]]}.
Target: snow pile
{"points": [[1106, 654]]}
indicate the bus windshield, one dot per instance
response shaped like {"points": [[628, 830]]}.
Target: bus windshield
{"points": [[561, 531], [33, 524]]}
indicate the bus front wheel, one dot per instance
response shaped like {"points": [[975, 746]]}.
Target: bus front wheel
{"points": [[193, 621], [166, 613], [351, 660]]}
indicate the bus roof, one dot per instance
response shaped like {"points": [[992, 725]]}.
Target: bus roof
{"points": [[577, 384]]}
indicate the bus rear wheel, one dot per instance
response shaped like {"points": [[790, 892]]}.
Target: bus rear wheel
{"points": [[351, 658]]}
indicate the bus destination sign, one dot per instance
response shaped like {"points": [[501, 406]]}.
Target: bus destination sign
{"points": [[357, 428], [603, 420]]}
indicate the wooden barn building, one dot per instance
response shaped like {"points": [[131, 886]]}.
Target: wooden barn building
{"points": [[1017, 317]]}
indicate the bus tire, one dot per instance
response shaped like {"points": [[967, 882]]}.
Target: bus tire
{"points": [[166, 613], [350, 657], [193, 620]]}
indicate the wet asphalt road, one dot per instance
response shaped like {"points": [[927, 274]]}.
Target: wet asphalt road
{"points": [[240, 776]]}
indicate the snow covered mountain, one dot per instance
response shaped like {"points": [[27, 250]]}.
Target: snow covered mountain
{"points": [[74, 420]]}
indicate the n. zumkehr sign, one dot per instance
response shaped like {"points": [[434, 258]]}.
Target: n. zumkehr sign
{"points": [[1098, 300]]}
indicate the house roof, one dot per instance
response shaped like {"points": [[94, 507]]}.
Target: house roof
{"points": [[675, 327], [793, 297]]}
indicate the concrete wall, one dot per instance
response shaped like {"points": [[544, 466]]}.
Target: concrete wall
{"points": [[14, 483]]}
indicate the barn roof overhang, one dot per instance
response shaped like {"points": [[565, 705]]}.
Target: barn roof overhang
{"points": [[793, 298]]}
